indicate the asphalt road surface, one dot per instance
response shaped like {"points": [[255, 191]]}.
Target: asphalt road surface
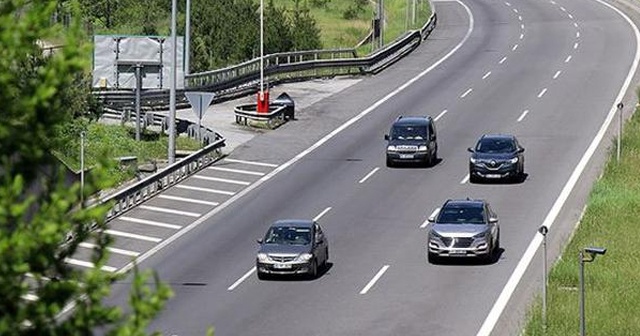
{"points": [[548, 71]]}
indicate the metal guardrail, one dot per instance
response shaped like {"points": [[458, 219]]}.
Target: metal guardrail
{"points": [[160, 181], [294, 66]]}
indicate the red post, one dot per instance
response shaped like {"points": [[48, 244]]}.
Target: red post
{"points": [[263, 102]]}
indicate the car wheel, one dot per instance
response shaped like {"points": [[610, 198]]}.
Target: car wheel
{"points": [[473, 178], [313, 269], [432, 258], [389, 163]]}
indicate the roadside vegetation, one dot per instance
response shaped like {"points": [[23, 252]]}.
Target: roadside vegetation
{"points": [[611, 282]]}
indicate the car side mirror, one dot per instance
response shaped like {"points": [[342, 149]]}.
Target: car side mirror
{"points": [[386, 137], [521, 149], [470, 149], [259, 241], [431, 219], [493, 220]]}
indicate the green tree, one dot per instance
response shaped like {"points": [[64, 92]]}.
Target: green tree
{"points": [[306, 34], [41, 294], [277, 30]]}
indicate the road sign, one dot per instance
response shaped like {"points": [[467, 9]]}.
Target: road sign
{"points": [[199, 102]]}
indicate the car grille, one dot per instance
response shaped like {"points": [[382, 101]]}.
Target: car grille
{"points": [[282, 258], [459, 242], [406, 148], [492, 165]]}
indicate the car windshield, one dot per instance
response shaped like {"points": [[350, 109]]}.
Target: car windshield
{"points": [[409, 132], [465, 214], [495, 146], [288, 235]]}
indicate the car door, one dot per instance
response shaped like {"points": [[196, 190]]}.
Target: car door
{"points": [[433, 139], [320, 243], [494, 226]]}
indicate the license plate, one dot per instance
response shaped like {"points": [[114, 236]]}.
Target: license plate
{"points": [[493, 176], [457, 252], [406, 156], [281, 266]]}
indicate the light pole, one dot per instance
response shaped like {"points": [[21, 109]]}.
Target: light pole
{"points": [[172, 91], [543, 231], [263, 97], [592, 253], [187, 38], [82, 135]]}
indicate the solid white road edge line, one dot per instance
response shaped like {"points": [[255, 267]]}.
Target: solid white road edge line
{"points": [[243, 278], [324, 212], [374, 280], [364, 179], [297, 158], [518, 272]]}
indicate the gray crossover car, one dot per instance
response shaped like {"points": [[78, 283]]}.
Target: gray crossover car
{"points": [[292, 247], [463, 228]]}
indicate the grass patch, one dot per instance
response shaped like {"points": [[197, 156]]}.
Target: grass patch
{"points": [[114, 141], [345, 31], [611, 282]]}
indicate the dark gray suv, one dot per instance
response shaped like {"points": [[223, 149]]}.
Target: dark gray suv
{"points": [[412, 140], [294, 246]]}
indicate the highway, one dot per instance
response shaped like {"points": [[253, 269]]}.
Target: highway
{"points": [[547, 71]]}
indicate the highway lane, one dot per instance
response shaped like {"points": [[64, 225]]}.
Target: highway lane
{"points": [[375, 225]]}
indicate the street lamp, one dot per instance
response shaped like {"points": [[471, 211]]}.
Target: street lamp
{"points": [[592, 252], [82, 135], [172, 89]]}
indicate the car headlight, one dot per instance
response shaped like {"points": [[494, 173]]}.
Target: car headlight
{"points": [[391, 148], [434, 234], [305, 257], [473, 160], [422, 149], [481, 235], [514, 160], [263, 257]]}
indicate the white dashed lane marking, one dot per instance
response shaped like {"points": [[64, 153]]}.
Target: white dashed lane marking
{"points": [[243, 278], [208, 190], [324, 212], [88, 264], [374, 280], [426, 221], [514, 47], [262, 164], [524, 114], [557, 74], [217, 179], [503, 60], [542, 93], [187, 200], [110, 249], [568, 59], [132, 235], [486, 75], [239, 171], [466, 93], [150, 223], [364, 179], [440, 115], [465, 179], [170, 211]]}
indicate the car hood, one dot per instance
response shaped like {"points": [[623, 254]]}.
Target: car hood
{"points": [[284, 249], [494, 156], [459, 230]]}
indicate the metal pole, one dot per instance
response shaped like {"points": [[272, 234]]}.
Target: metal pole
{"points": [[582, 319], [172, 90], [200, 122], [187, 38], [138, 90], [413, 13], [619, 131], [544, 283], [82, 135], [261, 46]]}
